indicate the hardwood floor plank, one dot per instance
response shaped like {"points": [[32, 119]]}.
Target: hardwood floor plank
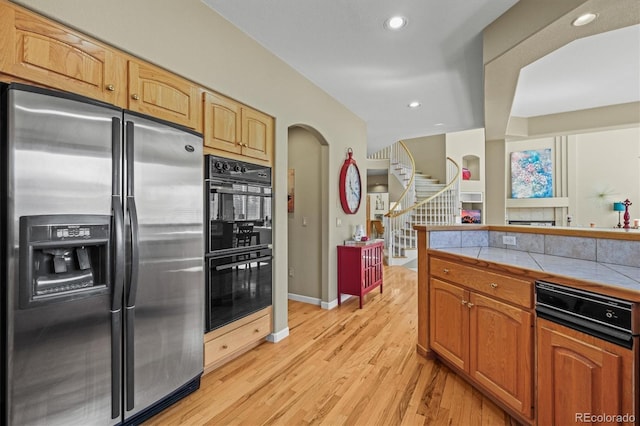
{"points": [[347, 366]]}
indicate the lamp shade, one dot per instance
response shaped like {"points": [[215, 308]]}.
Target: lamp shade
{"points": [[618, 207]]}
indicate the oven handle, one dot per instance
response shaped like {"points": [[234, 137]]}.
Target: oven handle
{"points": [[218, 190], [243, 262]]}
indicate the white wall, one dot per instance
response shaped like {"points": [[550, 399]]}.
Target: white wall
{"points": [[468, 142], [606, 169], [429, 153], [599, 168], [188, 38]]}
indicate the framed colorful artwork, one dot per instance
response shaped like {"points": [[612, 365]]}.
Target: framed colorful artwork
{"points": [[532, 174], [471, 216], [291, 177]]}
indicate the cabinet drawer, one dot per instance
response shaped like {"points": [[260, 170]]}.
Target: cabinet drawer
{"points": [[235, 340], [500, 286]]}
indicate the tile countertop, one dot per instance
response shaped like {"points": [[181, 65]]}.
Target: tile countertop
{"points": [[607, 274]]}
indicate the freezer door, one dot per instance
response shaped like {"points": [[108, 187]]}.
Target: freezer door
{"points": [[165, 284], [58, 351]]}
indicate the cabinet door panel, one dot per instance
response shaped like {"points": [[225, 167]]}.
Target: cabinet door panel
{"points": [[257, 134], [449, 322], [222, 123], [501, 350], [47, 53], [576, 376], [161, 94]]}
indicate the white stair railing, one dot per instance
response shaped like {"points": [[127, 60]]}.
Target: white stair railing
{"points": [[440, 208]]}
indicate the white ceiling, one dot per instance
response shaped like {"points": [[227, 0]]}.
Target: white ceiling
{"points": [[343, 47], [600, 70]]}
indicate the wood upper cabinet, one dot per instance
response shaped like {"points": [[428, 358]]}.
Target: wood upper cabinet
{"points": [[233, 128], [580, 374], [489, 340], [257, 134], [164, 95], [37, 50], [222, 123]]}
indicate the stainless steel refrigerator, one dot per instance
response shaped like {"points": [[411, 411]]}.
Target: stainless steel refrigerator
{"points": [[102, 282]]}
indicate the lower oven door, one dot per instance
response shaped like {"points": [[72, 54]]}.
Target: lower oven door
{"points": [[238, 284]]}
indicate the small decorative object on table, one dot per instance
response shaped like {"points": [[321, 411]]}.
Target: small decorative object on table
{"points": [[466, 174], [627, 216], [358, 233], [618, 207]]}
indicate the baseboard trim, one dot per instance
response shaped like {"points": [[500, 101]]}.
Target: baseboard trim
{"points": [[280, 335], [334, 303], [315, 301], [304, 299]]}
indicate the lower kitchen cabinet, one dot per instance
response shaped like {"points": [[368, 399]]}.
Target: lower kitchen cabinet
{"points": [[501, 350], [580, 375], [489, 341], [226, 343]]}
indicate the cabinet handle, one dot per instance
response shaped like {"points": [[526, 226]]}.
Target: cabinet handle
{"points": [[493, 285], [135, 96], [225, 347], [464, 302], [446, 271], [470, 305], [111, 87], [257, 330]]}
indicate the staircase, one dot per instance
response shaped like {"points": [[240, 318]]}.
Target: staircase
{"points": [[426, 201]]}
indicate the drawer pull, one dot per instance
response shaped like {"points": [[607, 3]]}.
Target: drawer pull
{"points": [[445, 270], [464, 302], [470, 305], [225, 347], [111, 87], [493, 285], [135, 96], [257, 330]]}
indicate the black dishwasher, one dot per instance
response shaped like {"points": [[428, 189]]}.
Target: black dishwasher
{"points": [[605, 317]]}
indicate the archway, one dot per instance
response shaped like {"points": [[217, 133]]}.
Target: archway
{"points": [[307, 227]]}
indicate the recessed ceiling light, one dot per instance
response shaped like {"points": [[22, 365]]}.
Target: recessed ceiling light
{"points": [[585, 19], [414, 104], [439, 124], [395, 22]]}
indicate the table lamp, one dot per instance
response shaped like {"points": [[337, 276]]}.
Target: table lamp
{"points": [[618, 207]]}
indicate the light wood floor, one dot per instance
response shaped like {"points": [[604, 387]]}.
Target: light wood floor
{"points": [[346, 366]]}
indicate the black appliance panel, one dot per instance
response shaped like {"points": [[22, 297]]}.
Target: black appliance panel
{"points": [[601, 316], [228, 170], [238, 285]]}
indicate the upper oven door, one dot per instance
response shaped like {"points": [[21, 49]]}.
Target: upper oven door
{"points": [[238, 215]]}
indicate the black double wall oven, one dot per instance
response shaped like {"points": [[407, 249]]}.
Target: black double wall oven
{"points": [[238, 251]]}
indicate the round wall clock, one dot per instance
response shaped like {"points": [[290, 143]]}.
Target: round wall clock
{"points": [[350, 187]]}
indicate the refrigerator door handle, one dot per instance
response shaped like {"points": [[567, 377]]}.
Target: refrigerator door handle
{"points": [[119, 266], [116, 348], [135, 253], [129, 368], [133, 216], [130, 304], [133, 278]]}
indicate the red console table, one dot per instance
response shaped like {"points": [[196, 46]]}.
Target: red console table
{"points": [[359, 268]]}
